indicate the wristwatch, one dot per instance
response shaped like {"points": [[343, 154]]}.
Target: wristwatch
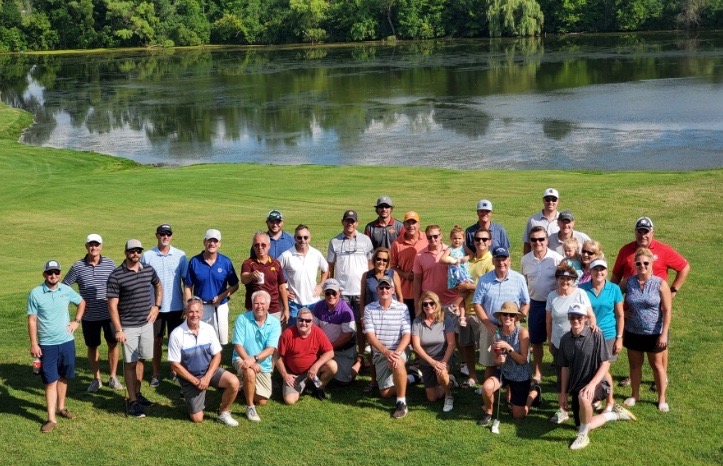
{"points": [[673, 289], [77, 321], [256, 358]]}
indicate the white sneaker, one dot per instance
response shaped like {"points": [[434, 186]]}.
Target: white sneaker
{"points": [[448, 404], [225, 418], [94, 386], [115, 384], [559, 417], [251, 414], [155, 382], [580, 442], [623, 414], [463, 370]]}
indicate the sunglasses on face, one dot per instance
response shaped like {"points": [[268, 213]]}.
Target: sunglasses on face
{"points": [[93, 244], [52, 272], [384, 287], [381, 259], [507, 314], [641, 263], [550, 199], [261, 245], [432, 237], [537, 240], [303, 321], [428, 304], [302, 237], [575, 317], [165, 234], [481, 240], [134, 251], [330, 293], [588, 253]]}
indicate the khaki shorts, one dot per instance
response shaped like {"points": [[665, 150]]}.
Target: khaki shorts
{"points": [[385, 374], [486, 355], [263, 380], [139, 343], [344, 360]]}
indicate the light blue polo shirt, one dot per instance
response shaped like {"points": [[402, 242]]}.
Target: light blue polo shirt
{"points": [[171, 269], [604, 306], [51, 307], [492, 292], [255, 339]]}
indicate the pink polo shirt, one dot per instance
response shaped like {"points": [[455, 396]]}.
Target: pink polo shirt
{"points": [[434, 274]]}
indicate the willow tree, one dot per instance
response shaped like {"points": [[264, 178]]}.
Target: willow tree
{"points": [[514, 18]]}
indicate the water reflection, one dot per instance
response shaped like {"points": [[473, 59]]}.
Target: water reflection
{"points": [[602, 102]]}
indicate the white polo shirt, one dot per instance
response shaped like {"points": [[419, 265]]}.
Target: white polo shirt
{"points": [[540, 273], [301, 271]]}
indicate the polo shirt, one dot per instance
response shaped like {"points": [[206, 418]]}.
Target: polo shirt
{"points": [[664, 258], [273, 279], [301, 353], [92, 281], [351, 259], [208, 281], [554, 243], [583, 354], [336, 321], [133, 290], [277, 246], [194, 352], [497, 231], [255, 339], [433, 339], [477, 268], [387, 325], [603, 305], [540, 273], [434, 274], [51, 307], [491, 292], [171, 268], [539, 219], [383, 235], [301, 272], [402, 255]]}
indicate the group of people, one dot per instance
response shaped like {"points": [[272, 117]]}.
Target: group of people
{"points": [[312, 317]]}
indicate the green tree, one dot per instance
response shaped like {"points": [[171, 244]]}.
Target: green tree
{"points": [[134, 22], [465, 18], [354, 20], [37, 26], [514, 17], [631, 15], [308, 16], [421, 19]]}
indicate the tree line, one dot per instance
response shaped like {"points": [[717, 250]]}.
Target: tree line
{"points": [[85, 24]]}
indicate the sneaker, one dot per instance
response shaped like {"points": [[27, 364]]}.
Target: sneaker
{"points": [[581, 441], [453, 381], [48, 427], [537, 402], [625, 382], [225, 418], [155, 382], [319, 394], [559, 417], [401, 410], [114, 383], [143, 401], [136, 410], [463, 370], [251, 414], [624, 414], [94, 386], [485, 421], [448, 404], [174, 379], [66, 414]]}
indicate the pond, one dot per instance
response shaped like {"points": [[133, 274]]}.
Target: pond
{"points": [[600, 102]]}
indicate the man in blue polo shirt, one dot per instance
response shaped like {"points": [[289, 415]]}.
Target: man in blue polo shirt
{"points": [[494, 288], [498, 232], [212, 278], [281, 241], [51, 339], [171, 265]]}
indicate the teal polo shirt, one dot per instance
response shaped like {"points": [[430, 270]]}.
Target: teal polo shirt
{"points": [[255, 339], [604, 306], [51, 307]]}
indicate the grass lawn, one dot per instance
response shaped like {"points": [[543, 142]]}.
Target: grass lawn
{"points": [[51, 199]]}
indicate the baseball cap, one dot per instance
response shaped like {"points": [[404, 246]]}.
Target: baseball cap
{"points": [[551, 192], [93, 238], [500, 252], [577, 309], [598, 263], [411, 215], [275, 215], [508, 307], [566, 215], [644, 223], [385, 280], [133, 244], [51, 265], [212, 233], [484, 204], [565, 273], [331, 284], [350, 214], [384, 200], [165, 228]]}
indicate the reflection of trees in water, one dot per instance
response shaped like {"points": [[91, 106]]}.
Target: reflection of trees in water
{"points": [[557, 129]]}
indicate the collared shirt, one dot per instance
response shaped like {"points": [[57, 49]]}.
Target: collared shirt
{"points": [[51, 307], [301, 271], [434, 274], [477, 268], [403, 253], [171, 269], [277, 246], [208, 281], [433, 339], [539, 219], [664, 258], [350, 257], [387, 325], [583, 354], [273, 279], [299, 353], [255, 339], [193, 351], [92, 281], [491, 292], [497, 231], [603, 306], [336, 321], [133, 290], [383, 235], [540, 273], [555, 243]]}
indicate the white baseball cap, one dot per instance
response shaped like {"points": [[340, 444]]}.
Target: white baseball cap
{"points": [[551, 192], [93, 238], [212, 233]]}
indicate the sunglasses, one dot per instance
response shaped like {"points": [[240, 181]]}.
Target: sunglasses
{"points": [[481, 240], [52, 272], [303, 321], [588, 253], [93, 244], [428, 304], [381, 259], [384, 287], [537, 240], [261, 245], [550, 199], [135, 251], [507, 314], [640, 263], [330, 293], [302, 237], [165, 234], [432, 237], [575, 317]]}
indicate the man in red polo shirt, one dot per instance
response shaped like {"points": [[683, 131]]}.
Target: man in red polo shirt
{"points": [[403, 252], [265, 273], [429, 273]]}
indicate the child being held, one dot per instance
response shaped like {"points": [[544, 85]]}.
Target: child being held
{"points": [[457, 256], [571, 247]]}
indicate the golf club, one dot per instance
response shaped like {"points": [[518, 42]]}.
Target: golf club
{"points": [[125, 395], [495, 429]]}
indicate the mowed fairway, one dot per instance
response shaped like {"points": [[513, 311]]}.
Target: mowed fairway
{"points": [[51, 199]]}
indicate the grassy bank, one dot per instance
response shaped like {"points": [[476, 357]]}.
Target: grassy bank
{"points": [[53, 198]]}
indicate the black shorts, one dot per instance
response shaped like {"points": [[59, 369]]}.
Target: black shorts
{"points": [[169, 320], [642, 343], [520, 391], [91, 332], [601, 392]]}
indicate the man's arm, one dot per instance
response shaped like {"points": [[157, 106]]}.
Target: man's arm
{"points": [[343, 340], [284, 295], [155, 309], [680, 278], [323, 359], [35, 350], [115, 319]]}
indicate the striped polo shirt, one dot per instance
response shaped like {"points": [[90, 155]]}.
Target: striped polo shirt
{"points": [[388, 325], [133, 290], [92, 280]]}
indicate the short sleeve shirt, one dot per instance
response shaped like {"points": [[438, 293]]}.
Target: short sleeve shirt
{"points": [[336, 321], [194, 352], [255, 339], [92, 284], [301, 272], [387, 325], [557, 306], [133, 290], [350, 257], [540, 273], [583, 354], [603, 306], [383, 235], [664, 258], [491, 292], [300, 354], [498, 232], [210, 280], [171, 269], [433, 339], [273, 279], [51, 307], [434, 274]]}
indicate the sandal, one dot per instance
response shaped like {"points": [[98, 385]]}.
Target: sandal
{"points": [[663, 407], [625, 382], [629, 402], [66, 414], [370, 387]]}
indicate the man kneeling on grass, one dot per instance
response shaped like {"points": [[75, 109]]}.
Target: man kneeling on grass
{"points": [[585, 359], [305, 358], [195, 355]]}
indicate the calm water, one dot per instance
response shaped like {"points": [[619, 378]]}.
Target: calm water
{"points": [[607, 102]]}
